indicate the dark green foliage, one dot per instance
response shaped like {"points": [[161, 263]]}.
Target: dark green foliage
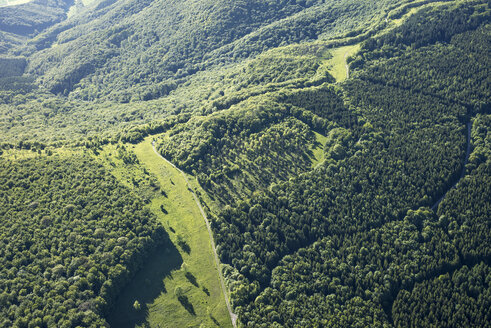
{"points": [[460, 299], [353, 193], [353, 279], [323, 101], [249, 146], [467, 209], [403, 147], [457, 71], [191, 278], [429, 26], [71, 239], [12, 66], [184, 300], [355, 273], [11, 80], [183, 244], [444, 53]]}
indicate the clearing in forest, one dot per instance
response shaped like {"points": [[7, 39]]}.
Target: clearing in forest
{"points": [[188, 270], [338, 66]]}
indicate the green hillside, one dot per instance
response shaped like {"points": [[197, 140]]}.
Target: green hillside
{"points": [[143, 49], [20, 18], [282, 163]]}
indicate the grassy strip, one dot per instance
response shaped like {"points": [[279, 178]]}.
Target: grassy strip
{"points": [[337, 64], [178, 287], [318, 149]]}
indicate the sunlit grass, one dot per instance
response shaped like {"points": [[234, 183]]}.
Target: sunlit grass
{"points": [[318, 149], [175, 207], [338, 61]]}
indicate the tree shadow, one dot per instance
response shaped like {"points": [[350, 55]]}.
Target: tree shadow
{"points": [[215, 321], [183, 244], [191, 278], [183, 299], [145, 287]]}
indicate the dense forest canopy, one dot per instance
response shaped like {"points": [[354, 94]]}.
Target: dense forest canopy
{"points": [[71, 238], [357, 202]]}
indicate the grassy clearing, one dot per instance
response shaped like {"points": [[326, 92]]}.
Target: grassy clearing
{"points": [[337, 64], [318, 149], [189, 268]]}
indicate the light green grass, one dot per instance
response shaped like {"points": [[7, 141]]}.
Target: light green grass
{"points": [[318, 149], [184, 219], [399, 21], [337, 64]]}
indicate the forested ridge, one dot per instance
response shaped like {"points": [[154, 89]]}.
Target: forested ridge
{"points": [[117, 52], [333, 203]]}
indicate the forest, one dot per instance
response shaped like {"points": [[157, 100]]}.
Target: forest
{"points": [[408, 130], [357, 202], [72, 237]]}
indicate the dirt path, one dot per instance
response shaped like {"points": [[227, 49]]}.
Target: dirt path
{"points": [[233, 316], [468, 151]]}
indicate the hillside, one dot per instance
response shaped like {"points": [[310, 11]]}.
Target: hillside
{"points": [[338, 149], [137, 44], [19, 19]]}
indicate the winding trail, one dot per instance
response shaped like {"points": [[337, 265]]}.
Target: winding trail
{"points": [[468, 151], [233, 316]]}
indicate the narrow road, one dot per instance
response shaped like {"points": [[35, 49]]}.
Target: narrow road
{"points": [[233, 316], [468, 152]]}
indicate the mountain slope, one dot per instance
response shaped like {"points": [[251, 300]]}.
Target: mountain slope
{"points": [[323, 194], [17, 22], [130, 45]]}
